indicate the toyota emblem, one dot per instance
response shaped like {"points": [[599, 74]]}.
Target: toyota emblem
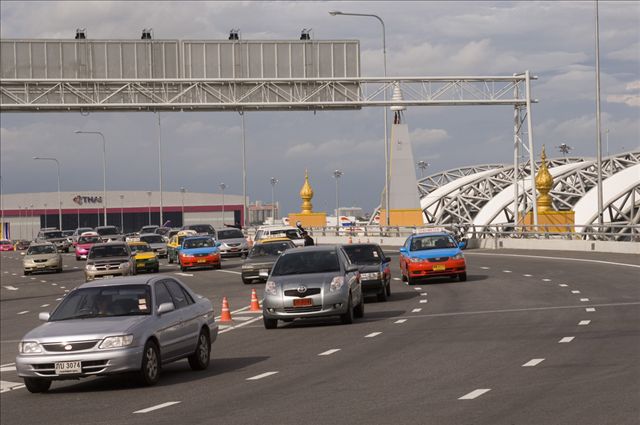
{"points": [[302, 289], [68, 347]]}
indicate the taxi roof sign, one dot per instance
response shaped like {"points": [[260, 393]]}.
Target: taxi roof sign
{"points": [[424, 230]]}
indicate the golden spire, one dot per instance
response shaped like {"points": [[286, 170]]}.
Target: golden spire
{"points": [[544, 183], [306, 193]]}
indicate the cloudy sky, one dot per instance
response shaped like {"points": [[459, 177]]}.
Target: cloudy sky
{"points": [[554, 40]]}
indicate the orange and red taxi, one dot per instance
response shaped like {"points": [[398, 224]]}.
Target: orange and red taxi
{"points": [[432, 254], [199, 251]]}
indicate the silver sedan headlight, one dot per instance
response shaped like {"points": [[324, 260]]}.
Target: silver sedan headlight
{"points": [[29, 347], [116, 342]]}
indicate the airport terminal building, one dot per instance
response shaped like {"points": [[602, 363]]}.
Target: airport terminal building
{"points": [[24, 214]]}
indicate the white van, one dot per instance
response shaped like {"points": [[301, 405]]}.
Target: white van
{"points": [[268, 232]]}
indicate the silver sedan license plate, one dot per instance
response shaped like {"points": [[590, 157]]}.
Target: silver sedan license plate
{"points": [[63, 368]]}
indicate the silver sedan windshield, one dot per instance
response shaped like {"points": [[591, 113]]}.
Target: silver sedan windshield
{"points": [[107, 301]]}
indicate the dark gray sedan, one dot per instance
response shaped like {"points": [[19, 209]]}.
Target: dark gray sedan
{"points": [[261, 259], [315, 281], [129, 324]]}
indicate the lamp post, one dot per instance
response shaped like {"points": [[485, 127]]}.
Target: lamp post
{"points": [[104, 170], [598, 131], [222, 186], [337, 174], [422, 165], [45, 215], [122, 213], [160, 166], [31, 221], [274, 182], [386, 140], [606, 132], [59, 201], [244, 176], [149, 206], [182, 191]]}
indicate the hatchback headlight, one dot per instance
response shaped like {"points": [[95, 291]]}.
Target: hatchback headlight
{"points": [[370, 276], [125, 265], [336, 283], [416, 260], [270, 288], [116, 342], [29, 347], [458, 256], [247, 266], [91, 267]]}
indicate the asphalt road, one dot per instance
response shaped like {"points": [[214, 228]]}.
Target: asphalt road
{"points": [[526, 340]]}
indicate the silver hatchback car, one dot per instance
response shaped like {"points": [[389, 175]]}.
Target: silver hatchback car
{"points": [[315, 281], [131, 324]]}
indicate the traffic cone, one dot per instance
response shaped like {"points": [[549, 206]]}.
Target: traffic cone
{"points": [[225, 316], [255, 305], [350, 239]]}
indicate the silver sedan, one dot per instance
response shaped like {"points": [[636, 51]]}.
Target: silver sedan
{"points": [[120, 325], [315, 281]]}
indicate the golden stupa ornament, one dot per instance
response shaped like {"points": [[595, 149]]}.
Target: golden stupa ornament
{"points": [[306, 193], [544, 183]]}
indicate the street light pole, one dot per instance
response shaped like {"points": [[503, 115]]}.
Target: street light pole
{"points": [[31, 221], [337, 174], [104, 170], [121, 213], [244, 176], [386, 140], [160, 166], [274, 182], [59, 201], [149, 195], [182, 190], [222, 188], [598, 131], [45, 215]]}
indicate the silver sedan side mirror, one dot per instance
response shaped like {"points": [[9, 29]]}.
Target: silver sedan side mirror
{"points": [[165, 308], [44, 316]]}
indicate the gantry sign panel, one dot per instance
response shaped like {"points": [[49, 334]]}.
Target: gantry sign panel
{"points": [[91, 73]]}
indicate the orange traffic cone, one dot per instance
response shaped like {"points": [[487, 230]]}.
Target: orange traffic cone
{"points": [[255, 305], [225, 316], [350, 239]]}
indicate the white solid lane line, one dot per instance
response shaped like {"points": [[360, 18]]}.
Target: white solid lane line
{"points": [[590, 309], [184, 274], [11, 288], [584, 322], [475, 394], [44, 305], [423, 301], [416, 310], [373, 335], [262, 375], [584, 300], [24, 312], [564, 285], [424, 294], [400, 321], [575, 292], [329, 352], [566, 339], [557, 258], [248, 322], [533, 362], [229, 271], [418, 289], [7, 364], [156, 407], [8, 386], [8, 368]]}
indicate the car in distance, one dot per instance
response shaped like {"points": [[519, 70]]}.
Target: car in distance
{"points": [[316, 281], [55, 237], [41, 257], [375, 272], [232, 243], [267, 232], [84, 244], [262, 257], [201, 229], [145, 257], [78, 232], [21, 244], [106, 260], [176, 242], [148, 229], [109, 233], [432, 254], [157, 243], [6, 245], [133, 324], [199, 251]]}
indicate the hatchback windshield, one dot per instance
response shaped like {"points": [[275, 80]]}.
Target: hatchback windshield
{"points": [[432, 242], [108, 251], [285, 233], [102, 231], [230, 234], [41, 249], [152, 239], [140, 248], [362, 254], [198, 243], [307, 262], [88, 239], [52, 235], [105, 301], [273, 248]]}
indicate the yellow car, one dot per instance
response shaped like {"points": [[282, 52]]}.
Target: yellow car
{"points": [[175, 242], [275, 240], [146, 259]]}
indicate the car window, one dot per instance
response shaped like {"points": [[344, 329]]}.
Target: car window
{"points": [[52, 235], [230, 234], [180, 298], [162, 295], [267, 249], [41, 249], [108, 251], [198, 243], [88, 239], [362, 254], [432, 242], [258, 235], [140, 248], [103, 231], [303, 262], [152, 239], [121, 300]]}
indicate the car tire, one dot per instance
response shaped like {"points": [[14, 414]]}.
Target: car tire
{"points": [[410, 281], [183, 268], [150, 368], [77, 258], [218, 266], [156, 270], [347, 317], [26, 273], [404, 278], [59, 270], [382, 295], [246, 281], [270, 323], [37, 385], [462, 277], [199, 360], [358, 311]]}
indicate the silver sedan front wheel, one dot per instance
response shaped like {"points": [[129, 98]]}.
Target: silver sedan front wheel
{"points": [[150, 371]]}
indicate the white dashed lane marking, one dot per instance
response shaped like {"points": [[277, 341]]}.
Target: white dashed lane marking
{"points": [[32, 278], [262, 375], [416, 310], [229, 271], [23, 312], [584, 300], [475, 394], [590, 309], [418, 289], [564, 285], [575, 292], [329, 352], [423, 301], [400, 321], [533, 362], [506, 271], [11, 288], [526, 275], [373, 335], [546, 280], [44, 305], [8, 386], [396, 278], [156, 407], [584, 322], [184, 274], [484, 268], [43, 281], [566, 339]]}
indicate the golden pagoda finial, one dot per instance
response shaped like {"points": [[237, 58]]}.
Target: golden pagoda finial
{"points": [[544, 183], [306, 193]]}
